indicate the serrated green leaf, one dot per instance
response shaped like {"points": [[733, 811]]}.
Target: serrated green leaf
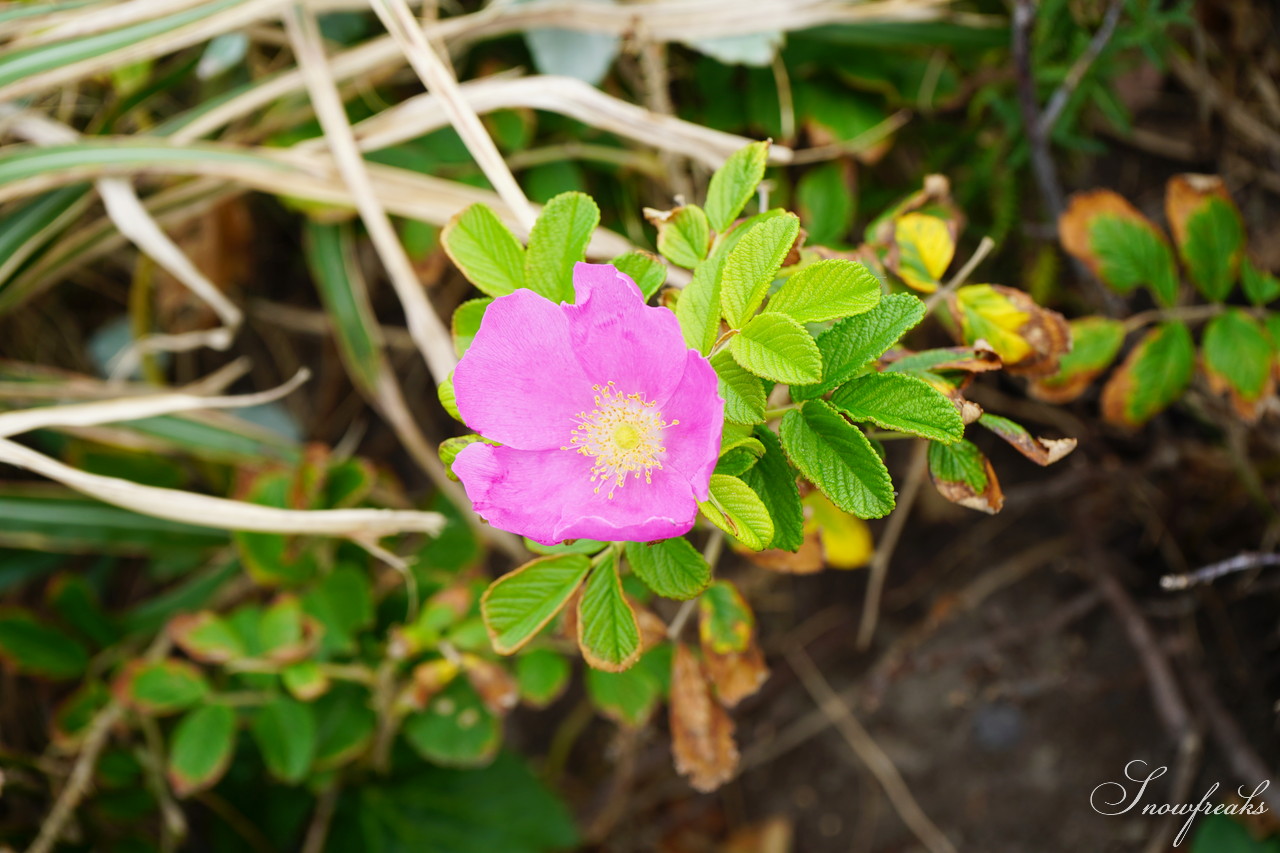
{"points": [[646, 270], [201, 747], [557, 241], [698, 308], [738, 511], [752, 266], [850, 345], [774, 346], [1153, 376], [34, 648], [827, 290], [743, 392], [774, 480], [963, 475], [1212, 247], [1131, 252], [672, 568], [485, 250], [1260, 286], [903, 403], [285, 731], [466, 322], [684, 236], [837, 458], [1238, 355], [608, 633], [735, 462], [542, 675], [519, 604], [725, 622], [456, 729], [161, 687], [631, 697], [734, 183]]}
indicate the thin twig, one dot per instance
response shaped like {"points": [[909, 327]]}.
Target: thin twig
{"points": [[888, 543], [962, 275], [1058, 100], [321, 819], [1208, 574], [1024, 20], [870, 753]]}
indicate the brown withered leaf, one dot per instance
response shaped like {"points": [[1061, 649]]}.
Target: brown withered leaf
{"points": [[653, 631], [428, 679], [1184, 194], [736, 675], [773, 835], [1042, 451], [805, 561], [701, 730], [497, 688], [1073, 224], [219, 244], [963, 475]]}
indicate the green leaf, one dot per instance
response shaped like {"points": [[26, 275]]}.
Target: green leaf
{"points": [[161, 687], [852, 344], [698, 308], [963, 475], [734, 183], [77, 604], [207, 637], [837, 458], [1212, 247], [485, 250], [342, 601], [632, 696], [725, 622], [827, 290], [903, 403], [774, 346], [825, 203], [672, 568], [456, 729], [1221, 834], [743, 393], [738, 511], [501, 808], [201, 748], [305, 681], [345, 726], [466, 322], [285, 731], [34, 648], [646, 270], [542, 675], [1238, 356], [1042, 451], [608, 633], [1154, 375], [774, 480], [1131, 252], [557, 241], [330, 253], [1260, 286], [519, 604], [683, 235], [753, 264], [1094, 344], [448, 399]]}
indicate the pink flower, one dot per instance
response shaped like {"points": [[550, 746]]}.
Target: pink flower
{"points": [[609, 424]]}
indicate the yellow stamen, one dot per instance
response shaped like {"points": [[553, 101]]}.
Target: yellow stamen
{"points": [[623, 433]]}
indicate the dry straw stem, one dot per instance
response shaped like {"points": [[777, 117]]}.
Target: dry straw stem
{"points": [[406, 31], [672, 20], [566, 96], [433, 340], [72, 23]]}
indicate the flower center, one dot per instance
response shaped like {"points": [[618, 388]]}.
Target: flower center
{"points": [[623, 433]]}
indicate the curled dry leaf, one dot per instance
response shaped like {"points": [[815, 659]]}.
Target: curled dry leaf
{"points": [[1030, 339], [429, 678], [1042, 451], [701, 730], [1184, 194], [736, 675], [497, 688], [963, 475]]}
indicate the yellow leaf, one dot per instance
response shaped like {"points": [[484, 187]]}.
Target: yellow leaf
{"points": [[846, 539], [987, 314], [925, 249]]}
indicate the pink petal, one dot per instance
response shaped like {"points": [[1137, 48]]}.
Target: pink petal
{"points": [[619, 339], [693, 445], [519, 382], [548, 496]]}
